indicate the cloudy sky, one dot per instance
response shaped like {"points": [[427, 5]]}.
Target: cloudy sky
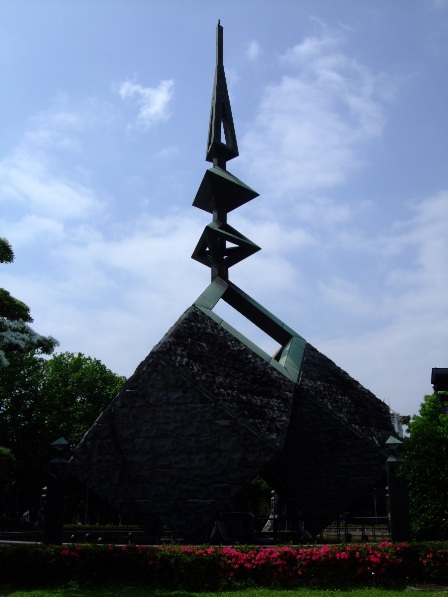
{"points": [[341, 116]]}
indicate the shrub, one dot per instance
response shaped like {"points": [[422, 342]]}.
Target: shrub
{"points": [[213, 568], [433, 557]]}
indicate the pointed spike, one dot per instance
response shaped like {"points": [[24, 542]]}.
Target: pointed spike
{"points": [[218, 151], [219, 45]]}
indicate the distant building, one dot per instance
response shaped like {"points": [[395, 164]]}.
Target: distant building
{"points": [[396, 422]]}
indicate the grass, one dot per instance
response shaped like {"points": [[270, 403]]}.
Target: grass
{"points": [[123, 591]]}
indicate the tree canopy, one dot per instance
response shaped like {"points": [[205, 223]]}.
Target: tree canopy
{"points": [[43, 399], [40, 399], [15, 333], [6, 252], [426, 458], [75, 390]]}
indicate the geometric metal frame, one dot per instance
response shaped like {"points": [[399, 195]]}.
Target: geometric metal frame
{"points": [[213, 245], [222, 190], [288, 358], [221, 113]]}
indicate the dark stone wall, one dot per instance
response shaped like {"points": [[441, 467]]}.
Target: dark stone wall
{"points": [[203, 415], [195, 423], [333, 453], [334, 389], [233, 376]]}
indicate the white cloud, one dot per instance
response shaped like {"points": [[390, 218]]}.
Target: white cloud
{"points": [[273, 235], [323, 50], [345, 295], [253, 50], [312, 126], [58, 126], [40, 178], [31, 229], [423, 275], [405, 329], [27, 180], [154, 101], [114, 298]]}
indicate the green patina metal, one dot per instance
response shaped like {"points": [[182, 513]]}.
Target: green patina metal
{"points": [[221, 113], [222, 243], [221, 246], [288, 359], [221, 189]]}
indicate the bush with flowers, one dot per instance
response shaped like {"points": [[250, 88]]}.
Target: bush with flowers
{"points": [[434, 560], [214, 568]]}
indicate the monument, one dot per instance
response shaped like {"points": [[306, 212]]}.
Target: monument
{"points": [[207, 410]]}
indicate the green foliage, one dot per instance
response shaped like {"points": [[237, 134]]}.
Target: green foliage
{"points": [[7, 462], [20, 427], [15, 334], [40, 400], [12, 308], [426, 457], [75, 390], [7, 469], [255, 498], [6, 252]]}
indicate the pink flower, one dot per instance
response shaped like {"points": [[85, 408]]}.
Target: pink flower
{"points": [[342, 556]]}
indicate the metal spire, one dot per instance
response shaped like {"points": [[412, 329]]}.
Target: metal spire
{"points": [[220, 245], [220, 114]]}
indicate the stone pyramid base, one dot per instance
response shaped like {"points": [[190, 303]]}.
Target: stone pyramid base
{"points": [[204, 414]]}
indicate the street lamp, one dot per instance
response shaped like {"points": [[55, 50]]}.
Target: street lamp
{"points": [[400, 522], [54, 507], [439, 381]]}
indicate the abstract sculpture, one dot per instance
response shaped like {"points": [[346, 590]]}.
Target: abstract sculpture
{"points": [[207, 410]]}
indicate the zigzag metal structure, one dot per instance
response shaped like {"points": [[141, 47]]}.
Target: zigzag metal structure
{"points": [[220, 192], [221, 246], [207, 410]]}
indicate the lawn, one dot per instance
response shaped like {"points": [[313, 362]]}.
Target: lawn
{"points": [[124, 591]]}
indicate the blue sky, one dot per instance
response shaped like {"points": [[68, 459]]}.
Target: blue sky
{"points": [[340, 110]]}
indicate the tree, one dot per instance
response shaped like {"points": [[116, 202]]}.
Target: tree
{"points": [[426, 461], [75, 390], [7, 464], [6, 252], [20, 428], [41, 400], [255, 498], [15, 333]]}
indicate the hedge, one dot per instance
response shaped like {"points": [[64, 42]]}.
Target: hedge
{"points": [[215, 568]]}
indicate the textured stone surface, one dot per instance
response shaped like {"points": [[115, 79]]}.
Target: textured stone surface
{"points": [[333, 451], [195, 423], [203, 415], [238, 380]]}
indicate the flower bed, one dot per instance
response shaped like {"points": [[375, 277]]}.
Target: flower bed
{"points": [[213, 568]]}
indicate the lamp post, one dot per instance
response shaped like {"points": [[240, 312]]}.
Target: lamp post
{"points": [[400, 522], [439, 380], [54, 507]]}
